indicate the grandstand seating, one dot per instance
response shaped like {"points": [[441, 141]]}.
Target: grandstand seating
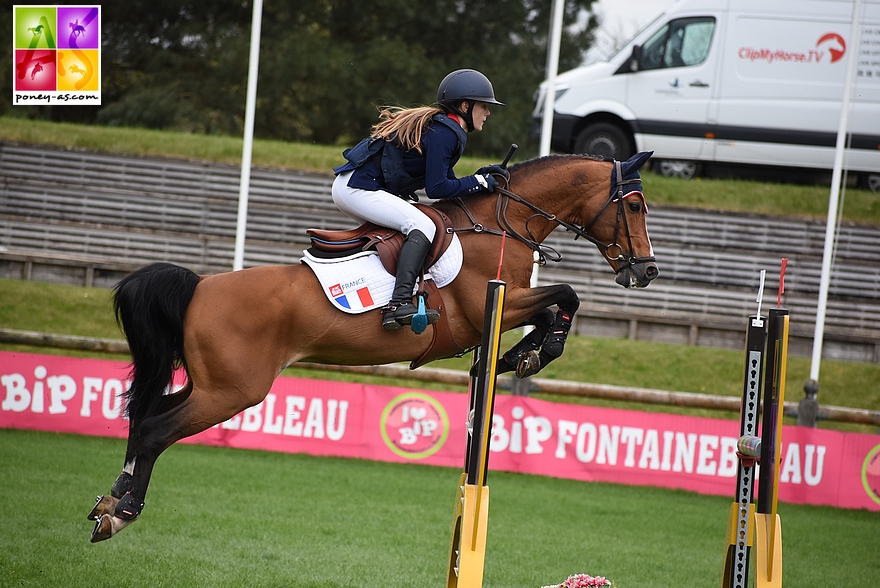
{"points": [[89, 218]]}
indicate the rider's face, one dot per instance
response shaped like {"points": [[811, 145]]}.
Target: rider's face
{"points": [[481, 113]]}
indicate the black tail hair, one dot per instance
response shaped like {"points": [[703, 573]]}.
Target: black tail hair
{"points": [[150, 305]]}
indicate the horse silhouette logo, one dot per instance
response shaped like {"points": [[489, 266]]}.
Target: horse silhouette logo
{"points": [[77, 28], [836, 45]]}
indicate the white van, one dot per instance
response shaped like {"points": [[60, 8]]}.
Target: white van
{"points": [[750, 82]]}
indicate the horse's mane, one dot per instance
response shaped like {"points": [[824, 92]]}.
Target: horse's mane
{"points": [[539, 162]]}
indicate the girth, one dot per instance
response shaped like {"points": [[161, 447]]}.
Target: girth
{"points": [[384, 240]]}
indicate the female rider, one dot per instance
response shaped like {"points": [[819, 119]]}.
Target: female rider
{"points": [[411, 149]]}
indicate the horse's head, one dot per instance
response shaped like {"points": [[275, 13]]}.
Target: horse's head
{"points": [[619, 227], [601, 203]]}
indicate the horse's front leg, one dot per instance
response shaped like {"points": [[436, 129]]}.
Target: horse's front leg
{"points": [[547, 342], [523, 358]]}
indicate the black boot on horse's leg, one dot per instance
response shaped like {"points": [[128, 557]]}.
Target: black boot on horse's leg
{"points": [[400, 310], [107, 504], [554, 342], [522, 358]]}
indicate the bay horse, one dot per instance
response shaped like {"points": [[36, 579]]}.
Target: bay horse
{"points": [[234, 332]]}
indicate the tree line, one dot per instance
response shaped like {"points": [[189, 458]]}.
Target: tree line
{"points": [[325, 65]]}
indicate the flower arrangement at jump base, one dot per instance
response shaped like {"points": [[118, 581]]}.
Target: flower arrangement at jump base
{"points": [[583, 581]]}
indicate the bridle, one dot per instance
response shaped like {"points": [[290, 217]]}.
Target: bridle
{"points": [[617, 196]]}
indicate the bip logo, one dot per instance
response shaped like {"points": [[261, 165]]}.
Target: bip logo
{"points": [[57, 55], [414, 425], [871, 474]]}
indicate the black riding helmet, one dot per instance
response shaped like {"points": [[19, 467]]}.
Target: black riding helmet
{"points": [[465, 85]]}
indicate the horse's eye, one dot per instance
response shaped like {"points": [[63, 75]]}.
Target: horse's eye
{"points": [[634, 207]]}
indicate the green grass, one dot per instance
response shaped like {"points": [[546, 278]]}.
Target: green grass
{"points": [[278, 154], [805, 201], [221, 517], [736, 195], [72, 310]]}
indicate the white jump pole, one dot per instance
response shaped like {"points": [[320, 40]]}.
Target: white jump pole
{"points": [[247, 149]]}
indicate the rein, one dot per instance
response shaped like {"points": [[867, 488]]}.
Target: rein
{"points": [[616, 197]]}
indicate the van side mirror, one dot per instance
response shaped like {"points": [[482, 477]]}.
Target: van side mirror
{"points": [[635, 58], [632, 63]]}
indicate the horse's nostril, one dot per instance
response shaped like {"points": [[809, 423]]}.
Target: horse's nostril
{"points": [[652, 272]]}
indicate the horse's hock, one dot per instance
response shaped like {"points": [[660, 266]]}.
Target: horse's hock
{"points": [[89, 219]]}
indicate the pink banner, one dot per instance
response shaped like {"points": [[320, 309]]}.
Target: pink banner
{"points": [[385, 423]]}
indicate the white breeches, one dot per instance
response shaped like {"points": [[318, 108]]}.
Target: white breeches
{"points": [[380, 207]]}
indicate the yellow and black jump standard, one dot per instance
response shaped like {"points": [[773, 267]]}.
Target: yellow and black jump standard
{"points": [[467, 550], [739, 524], [748, 528]]}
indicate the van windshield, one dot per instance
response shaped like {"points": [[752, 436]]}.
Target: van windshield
{"points": [[628, 44], [680, 43]]}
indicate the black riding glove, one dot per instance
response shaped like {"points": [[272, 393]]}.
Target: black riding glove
{"points": [[494, 169], [487, 182]]}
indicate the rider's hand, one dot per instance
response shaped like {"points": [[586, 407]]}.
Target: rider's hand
{"points": [[487, 182], [493, 169]]}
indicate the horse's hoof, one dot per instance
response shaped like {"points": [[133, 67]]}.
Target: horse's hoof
{"points": [[529, 364], [103, 529], [108, 525], [104, 505]]}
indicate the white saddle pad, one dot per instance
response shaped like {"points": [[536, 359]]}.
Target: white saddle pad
{"points": [[359, 283]]}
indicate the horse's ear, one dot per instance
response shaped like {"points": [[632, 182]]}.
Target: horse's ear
{"points": [[635, 163]]}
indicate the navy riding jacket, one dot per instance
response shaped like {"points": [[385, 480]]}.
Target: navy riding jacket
{"points": [[405, 171]]}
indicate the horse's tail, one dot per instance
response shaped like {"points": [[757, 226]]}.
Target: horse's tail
{"points": [[150, 305]]}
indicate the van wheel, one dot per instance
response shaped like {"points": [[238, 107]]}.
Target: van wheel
{"points": [[871, 182], [603, 140], [676, 168]]}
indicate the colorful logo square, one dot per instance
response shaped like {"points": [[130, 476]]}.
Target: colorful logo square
{"points": [[36, 70], [34, 27], [78, 27], [57, 55], [78, 70]]}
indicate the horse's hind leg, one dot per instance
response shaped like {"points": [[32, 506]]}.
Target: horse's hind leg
{"points": [[106, 504], [193, 415]]}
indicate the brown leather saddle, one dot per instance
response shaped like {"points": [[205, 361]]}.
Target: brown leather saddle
{"points": [[384, 240], [387, 242]]}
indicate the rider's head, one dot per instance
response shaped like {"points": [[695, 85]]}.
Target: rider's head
{"points": [[461, 90]]}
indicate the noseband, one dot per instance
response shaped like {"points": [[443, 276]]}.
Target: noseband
{"points": [[617, 196]]}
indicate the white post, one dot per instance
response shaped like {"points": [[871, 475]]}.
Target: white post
{"points": [[552, 69], [549, 97], [825, 281], [521, 387], [247, 149]]}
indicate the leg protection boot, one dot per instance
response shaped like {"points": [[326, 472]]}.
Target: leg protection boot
{"points": [[400, 310]]}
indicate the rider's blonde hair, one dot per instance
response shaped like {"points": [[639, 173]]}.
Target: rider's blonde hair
{"points": [[404, 124]]}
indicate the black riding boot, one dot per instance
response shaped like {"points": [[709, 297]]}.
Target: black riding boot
{"points": [[400, 310]]}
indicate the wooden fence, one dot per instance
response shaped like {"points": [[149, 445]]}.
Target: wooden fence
{"points": [[462, 379]]}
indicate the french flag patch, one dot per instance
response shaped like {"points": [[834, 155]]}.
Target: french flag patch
{"points": [[353, 300]]}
